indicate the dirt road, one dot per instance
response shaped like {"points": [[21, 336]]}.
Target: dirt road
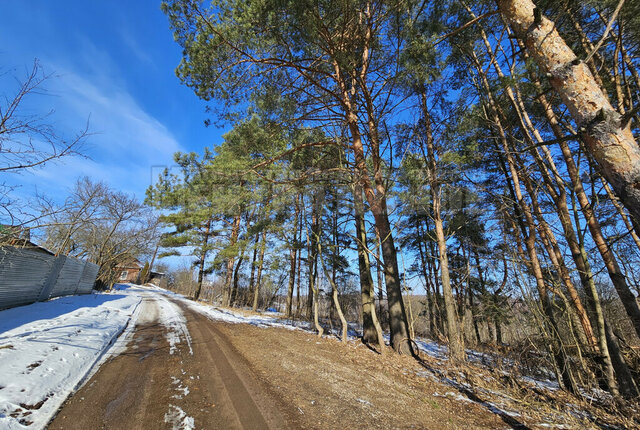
{"points": [[182, 370], [204, 383]]}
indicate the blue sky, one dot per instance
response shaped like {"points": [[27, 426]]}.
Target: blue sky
{"points": [[114, 64]]}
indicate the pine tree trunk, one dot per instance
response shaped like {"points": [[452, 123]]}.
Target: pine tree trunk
{"points": [[147, 275], [557, 349], [427, 280], [376, 195], [498, 326], [256, 291], [617, 277], [201, 263], [528, 228], [379, 275], [437, 295], [400, 340], [235, 231], [608, 139], [316, 231], [312, 256], [474, 317], [456, 342], [577, 251], [236, 275], [369, 331], [628, 387], [292, 281], [558, 197], [299, 264], [398, 326], [456, 347], [292, 262], [336, 303], [334, 296], [615, 367], [557, 260], [316, 320], [252, 277]]}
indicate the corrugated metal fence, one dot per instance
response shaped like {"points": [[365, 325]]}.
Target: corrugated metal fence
{"points": [[30, 275]]}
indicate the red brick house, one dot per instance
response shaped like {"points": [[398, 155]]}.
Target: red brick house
{"points": [[129, 272]]}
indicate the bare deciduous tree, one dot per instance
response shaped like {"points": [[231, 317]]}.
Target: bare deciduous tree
{"points": [[28, 139], [104, 226]]}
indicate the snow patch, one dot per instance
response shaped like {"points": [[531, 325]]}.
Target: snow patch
{"points": [[181, 389], [542, 383], [364, 402], [47, 349], [237, 317], [454, 396], [171, 316], [178, 419]]}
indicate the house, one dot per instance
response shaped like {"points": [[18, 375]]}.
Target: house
{"points": [[9, 232], [20, 237], [129, 271], [26, 244], [156, 277]]}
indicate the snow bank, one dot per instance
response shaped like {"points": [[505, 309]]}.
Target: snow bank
{"points": [[236, 316], [47, 349]]}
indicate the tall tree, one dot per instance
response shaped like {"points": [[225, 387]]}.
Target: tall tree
{"points": [[605, 131], [186, 200], [328, 57], [29, 140]]}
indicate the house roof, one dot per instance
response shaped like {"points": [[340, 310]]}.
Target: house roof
{"points": [[27, 244], [134, 264]]}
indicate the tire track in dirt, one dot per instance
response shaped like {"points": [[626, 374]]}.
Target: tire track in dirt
{"points": [[252, 407], [148, 387]]}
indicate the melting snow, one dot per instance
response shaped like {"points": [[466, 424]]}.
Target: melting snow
{"points": [[454, 396], [178, 418], [181, 389], [47, 349], [542, 383], [175, 322]]}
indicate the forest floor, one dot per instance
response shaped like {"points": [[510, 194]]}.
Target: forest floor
{"points": [[185, 365]]}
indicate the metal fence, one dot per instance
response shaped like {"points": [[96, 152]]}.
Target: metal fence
{"points": [[31, 275]]}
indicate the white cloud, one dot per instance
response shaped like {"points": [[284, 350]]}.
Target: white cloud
{"points": [[89, 83], [125, 142], [125, 129], [141, 54]]}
